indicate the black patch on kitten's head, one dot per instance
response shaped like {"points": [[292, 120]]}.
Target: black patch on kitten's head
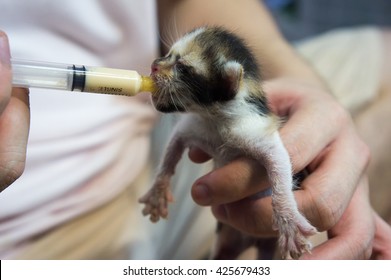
{"points": [[217, 41]]}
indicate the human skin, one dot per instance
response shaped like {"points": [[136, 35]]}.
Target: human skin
{"points": [[14, 121]]}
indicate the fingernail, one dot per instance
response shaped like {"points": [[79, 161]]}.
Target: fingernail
{"points": [[5, 55], [201, 194]]}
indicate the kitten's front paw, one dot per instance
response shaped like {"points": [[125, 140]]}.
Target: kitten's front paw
{"points": [[294, 232], [156, 200]]}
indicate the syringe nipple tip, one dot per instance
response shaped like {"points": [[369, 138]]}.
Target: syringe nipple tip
{"points": [[147, 84]]}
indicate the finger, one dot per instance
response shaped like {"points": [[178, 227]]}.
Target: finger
{"points": [[382, 241], [252, 216], [352, 236], [5, 72], [14, 130], [306, 116], [327, 191], [197, 155], [236, 180]]}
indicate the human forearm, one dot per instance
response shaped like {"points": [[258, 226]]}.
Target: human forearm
{"points": [[248, 18]]}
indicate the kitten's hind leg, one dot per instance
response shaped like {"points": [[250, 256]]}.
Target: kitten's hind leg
{"points": [[293, 227]]}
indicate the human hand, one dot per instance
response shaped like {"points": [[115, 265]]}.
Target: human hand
{"points": [[14, 121], [353, 235], [320, 137], [359, 234]]}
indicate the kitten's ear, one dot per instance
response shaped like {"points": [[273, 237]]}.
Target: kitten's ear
{"points": [[233, 74]]}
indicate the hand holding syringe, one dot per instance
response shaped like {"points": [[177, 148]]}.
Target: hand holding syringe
{"points": [[71, 77]]}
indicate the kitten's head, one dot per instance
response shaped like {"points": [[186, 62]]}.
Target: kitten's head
{"points": [[205, 67]]}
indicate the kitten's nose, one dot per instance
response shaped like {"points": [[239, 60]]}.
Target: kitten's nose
{"points": [[154, 68]]}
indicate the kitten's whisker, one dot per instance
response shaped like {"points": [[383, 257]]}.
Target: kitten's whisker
{"points": [[180, 100]]}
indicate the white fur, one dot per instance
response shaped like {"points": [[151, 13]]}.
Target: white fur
{"points": [[181, 45]]}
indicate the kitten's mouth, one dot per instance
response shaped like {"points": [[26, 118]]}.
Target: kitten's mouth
{"points": [[161, 81], [164, 98]]}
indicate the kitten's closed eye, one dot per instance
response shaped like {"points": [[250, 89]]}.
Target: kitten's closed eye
{"points": [[166, 62], [182, 65]]}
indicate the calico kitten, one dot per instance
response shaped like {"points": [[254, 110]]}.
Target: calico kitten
{"points": [[212, 76]]}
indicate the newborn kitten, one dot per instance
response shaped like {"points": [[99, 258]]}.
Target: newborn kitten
{"points": [[213, 77]]}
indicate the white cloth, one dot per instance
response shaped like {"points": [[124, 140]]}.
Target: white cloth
{"points": [[350, 60], [83, 149]]}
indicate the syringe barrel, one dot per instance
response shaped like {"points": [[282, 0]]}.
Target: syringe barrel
{"points": [[37, 74], [70, 77]]}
